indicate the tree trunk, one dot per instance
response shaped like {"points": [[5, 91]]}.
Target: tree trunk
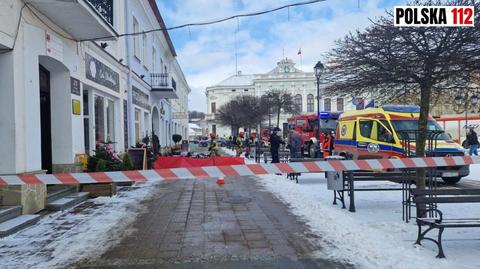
{"points": [[278, 117], [425, 93]]}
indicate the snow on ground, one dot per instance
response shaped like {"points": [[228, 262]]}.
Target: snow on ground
{"points": [[63, 238], [375, 236]]}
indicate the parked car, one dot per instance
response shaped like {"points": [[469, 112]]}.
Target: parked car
{"points": [[222, 142], [204, 143]]}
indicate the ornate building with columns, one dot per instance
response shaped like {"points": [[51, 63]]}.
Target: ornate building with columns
{"points": [[286, 77]]}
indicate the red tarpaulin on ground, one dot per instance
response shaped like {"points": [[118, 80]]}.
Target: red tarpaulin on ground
{"points": [[182, 162]]}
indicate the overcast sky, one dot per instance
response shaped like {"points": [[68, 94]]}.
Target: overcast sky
{"points": [[207, 53]]}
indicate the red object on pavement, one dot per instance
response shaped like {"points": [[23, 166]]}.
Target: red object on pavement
{"points": [[185, 162], [220, 181]]}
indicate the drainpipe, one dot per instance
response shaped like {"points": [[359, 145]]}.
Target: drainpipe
{"points": [[130, 112]]}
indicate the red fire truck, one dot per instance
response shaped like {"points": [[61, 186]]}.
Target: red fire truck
{"points": [[307, 127]]}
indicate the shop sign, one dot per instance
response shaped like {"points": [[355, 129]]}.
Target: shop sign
{"points": [[140, 98], [75, 86], [101, 74]]}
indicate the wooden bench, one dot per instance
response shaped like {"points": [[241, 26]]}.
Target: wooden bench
{"points": [[433, 217]]}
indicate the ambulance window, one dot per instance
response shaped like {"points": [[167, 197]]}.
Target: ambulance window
{"points": [[383, 134], [366, 128]]}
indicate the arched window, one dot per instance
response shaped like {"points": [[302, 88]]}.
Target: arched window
{"points": [[298, 102], [339, 104], [327, 105], [310, 103]]}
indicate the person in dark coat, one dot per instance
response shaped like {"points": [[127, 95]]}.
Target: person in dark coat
{"points": [[275, 142], [295, 144], [472, 139]]}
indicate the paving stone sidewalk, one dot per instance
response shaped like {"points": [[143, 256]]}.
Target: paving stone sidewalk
{"points": [[198, 224]]}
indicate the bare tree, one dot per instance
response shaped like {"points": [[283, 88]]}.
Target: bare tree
{"points": [[280, 101], [244, 111], [388, 62]]}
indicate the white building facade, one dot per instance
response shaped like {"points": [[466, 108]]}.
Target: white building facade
{"points": [[284, 77], [61, 92]]}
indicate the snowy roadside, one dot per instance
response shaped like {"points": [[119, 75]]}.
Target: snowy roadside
{"points": [[66, 237], [375, 236]]}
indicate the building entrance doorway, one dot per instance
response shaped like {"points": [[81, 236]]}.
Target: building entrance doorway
{"points": [[45, 119]]}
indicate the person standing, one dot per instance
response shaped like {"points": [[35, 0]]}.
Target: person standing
{"points": [[214, 152], [472, 139], [295, 144], [275, 142], [239, 144]]}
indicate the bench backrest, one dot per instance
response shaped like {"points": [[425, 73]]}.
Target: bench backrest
{"points": [[446, 196]]}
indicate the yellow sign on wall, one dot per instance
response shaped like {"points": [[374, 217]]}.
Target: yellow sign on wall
{"points": [[76, 107]]}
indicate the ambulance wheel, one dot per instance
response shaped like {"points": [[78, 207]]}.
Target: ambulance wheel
{"points": [[451, 180], [311, 150]]}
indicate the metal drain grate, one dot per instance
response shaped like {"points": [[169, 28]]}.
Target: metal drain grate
{"points": [[237, 199]]}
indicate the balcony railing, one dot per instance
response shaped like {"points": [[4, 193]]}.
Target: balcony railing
{"points": [[104, 8], [163, 84]]}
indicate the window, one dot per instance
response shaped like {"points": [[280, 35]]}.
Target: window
{"points": [[137, 125], [213, 107], [110, 121], [144, 49], [310, 103], [366, 128], [99, 119], [146, 129], [136, 39], [327, 104], [86, 121], [298, 102], [154, 60], [339, 104], [104, 119]]}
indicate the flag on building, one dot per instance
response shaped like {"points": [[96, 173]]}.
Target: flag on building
{"points": [[299, 51]]}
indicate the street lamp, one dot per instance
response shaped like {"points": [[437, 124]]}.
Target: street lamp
{"points": [[459, 100], [319, 68]]}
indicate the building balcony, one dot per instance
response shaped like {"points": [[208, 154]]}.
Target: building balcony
{"points": [[82, 19], [210, 116], [163, 85]]}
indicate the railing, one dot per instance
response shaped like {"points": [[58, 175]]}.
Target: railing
{"points": [[104, 8], [159, 80]]}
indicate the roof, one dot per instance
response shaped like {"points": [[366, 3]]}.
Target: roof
{"points": [[238, 80], [156, 11]]}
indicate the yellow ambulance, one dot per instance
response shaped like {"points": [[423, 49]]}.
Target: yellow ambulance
{"points": [[390, 132]]}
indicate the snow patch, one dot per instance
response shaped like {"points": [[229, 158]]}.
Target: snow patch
{"points": [[63, 238]]}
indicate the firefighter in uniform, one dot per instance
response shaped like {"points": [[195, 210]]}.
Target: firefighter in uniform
{"points": [[239, 144], [213, 146]]}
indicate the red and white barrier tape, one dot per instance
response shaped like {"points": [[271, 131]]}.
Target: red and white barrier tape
{"points": [[237, 170]]}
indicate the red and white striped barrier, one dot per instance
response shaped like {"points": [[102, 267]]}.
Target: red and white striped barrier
{"points": [[237, 170]]}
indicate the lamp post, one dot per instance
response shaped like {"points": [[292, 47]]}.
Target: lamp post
{"points": [[459, 100], [318, 68]]}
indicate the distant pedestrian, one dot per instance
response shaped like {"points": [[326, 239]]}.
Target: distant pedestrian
{"points": [[295, 144], [239, 144], [247, 145], [275, 142], [214, 150], [472, 140]]}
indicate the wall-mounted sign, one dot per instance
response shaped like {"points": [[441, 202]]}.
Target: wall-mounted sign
{"points": [[75, 86], [140, 98], [76, 109], [101, 74]]}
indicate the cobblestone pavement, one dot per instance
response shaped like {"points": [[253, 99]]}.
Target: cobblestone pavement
{"points": [[198, 224]]}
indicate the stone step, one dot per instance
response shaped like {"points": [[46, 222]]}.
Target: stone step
{"points": [[68, 201], [9, 212], [16, 224], [57, 192]]}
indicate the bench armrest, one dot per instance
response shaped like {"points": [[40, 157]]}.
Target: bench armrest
{"points": [[440, 214]]}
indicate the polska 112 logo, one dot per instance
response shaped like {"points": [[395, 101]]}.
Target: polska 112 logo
{"points": [[439, 16]]}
